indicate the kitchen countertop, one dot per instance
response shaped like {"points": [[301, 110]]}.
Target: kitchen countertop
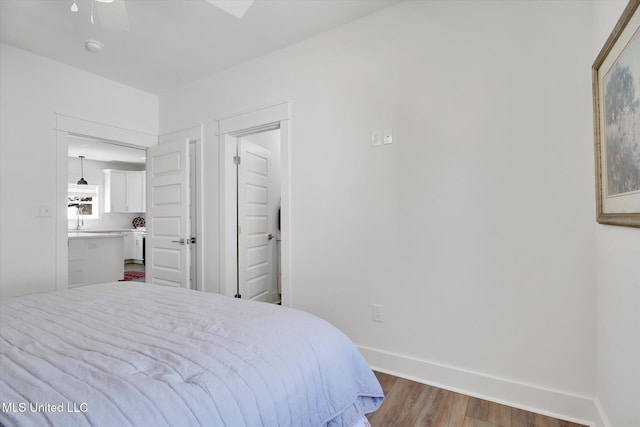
{"points": [[106, 230], [84, 235]]}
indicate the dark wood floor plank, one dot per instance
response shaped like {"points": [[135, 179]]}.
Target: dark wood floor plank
{"points": [[458, 409], [435, 409], [491, 412], [386, 381], [521, 418], [399, 406], [472, 422], [411, 404], [423, 412]]}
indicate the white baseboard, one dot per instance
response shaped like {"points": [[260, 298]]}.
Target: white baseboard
{"points": [[557, 404], [600, 418]]}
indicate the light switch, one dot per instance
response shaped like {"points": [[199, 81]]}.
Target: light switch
{"points": [[388, 136], [43, 210], [377, 313], [376, 137]]}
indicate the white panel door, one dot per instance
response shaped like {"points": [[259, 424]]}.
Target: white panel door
{"points": [[167, 218], [255, 243]]}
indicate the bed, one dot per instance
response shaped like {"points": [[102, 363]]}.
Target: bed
{"points": [[135, 354]]}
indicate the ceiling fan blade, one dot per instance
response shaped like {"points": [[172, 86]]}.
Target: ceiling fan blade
{"points": [[113, 15], [236, 8]]}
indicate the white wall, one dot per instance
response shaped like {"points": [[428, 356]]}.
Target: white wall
{"points": [[94, 175], [475, 228], [32, 89], [618, 324], [618, 292]]}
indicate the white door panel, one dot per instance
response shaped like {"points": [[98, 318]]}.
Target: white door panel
{"points": [[168, 230], [254, 245]]}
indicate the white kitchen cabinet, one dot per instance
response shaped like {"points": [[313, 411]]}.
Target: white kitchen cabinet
{"points": [[115, 191], [132, 245], [124, 191], [94, 258], [136, 191], [138, 245], [129, 245]]}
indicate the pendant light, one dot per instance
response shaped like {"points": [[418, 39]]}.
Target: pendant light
{"points": [[82, 181]]}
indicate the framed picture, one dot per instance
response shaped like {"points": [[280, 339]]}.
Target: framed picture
{"points": [[616, 100]]}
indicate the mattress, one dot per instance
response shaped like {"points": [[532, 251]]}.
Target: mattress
{"points": [[135, 354]]}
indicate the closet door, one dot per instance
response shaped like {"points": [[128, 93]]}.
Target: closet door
{"points": [[255, 241]]}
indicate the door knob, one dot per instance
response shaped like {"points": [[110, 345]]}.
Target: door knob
{"points": [[181, 241]]}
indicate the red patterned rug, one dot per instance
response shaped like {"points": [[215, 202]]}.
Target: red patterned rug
{"points": [[132, 275]]}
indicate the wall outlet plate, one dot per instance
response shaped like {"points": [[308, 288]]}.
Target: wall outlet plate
{"points": [[388, 137]]}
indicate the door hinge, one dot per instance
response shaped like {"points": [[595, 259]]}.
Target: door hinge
{"points": [[236, 160], [239, 230]]}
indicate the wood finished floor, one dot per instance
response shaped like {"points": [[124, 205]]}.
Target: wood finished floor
{"points": [[411, 404]]}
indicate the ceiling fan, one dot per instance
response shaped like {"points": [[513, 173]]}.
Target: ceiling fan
{"points": [[115, 16]]}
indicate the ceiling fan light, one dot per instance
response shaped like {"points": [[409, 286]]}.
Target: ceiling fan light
{"points": [[235, 8]]}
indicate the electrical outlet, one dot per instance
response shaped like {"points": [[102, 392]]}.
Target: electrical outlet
{"points": [[388, 137], [377, 313]]}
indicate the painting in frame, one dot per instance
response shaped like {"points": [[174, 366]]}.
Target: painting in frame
{"points": [[616, 100]]}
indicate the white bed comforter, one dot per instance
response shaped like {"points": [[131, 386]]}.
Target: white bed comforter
{"points": [[132, 354]]}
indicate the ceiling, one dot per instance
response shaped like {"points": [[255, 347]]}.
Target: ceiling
{"points": [[105, 152], [159, 45]]}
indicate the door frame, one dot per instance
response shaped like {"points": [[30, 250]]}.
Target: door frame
{"points": [[230, 128], [65, 125]]}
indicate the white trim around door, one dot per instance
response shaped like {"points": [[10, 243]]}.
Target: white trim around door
{"points": [[231, 127], [63, 127]]}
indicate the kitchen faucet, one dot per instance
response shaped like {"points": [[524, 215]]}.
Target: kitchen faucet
{"points": [[79, 215]]}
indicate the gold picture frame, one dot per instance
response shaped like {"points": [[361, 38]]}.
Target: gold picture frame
{"points": [[616, 102]]}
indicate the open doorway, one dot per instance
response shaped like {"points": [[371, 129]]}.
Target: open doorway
{"points": [[67, 128], [106, 202], [254, 189]]}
